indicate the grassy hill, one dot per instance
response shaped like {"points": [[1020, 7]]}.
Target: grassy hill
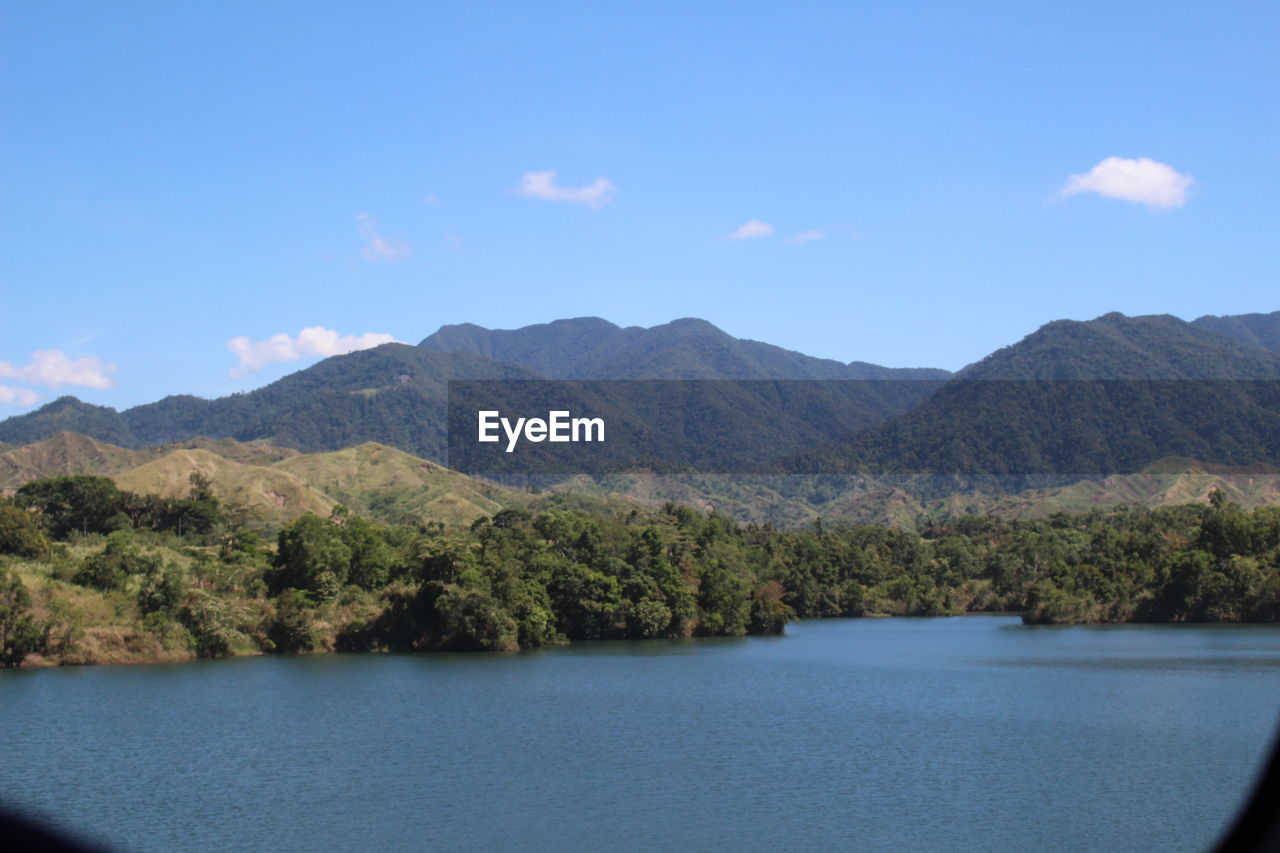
{"points": [[73, 453], [390, 486], [393, 486], [64, 453], [1169, 482], [248, 452], [274, 496]]}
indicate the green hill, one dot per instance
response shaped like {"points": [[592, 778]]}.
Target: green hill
{"points": [[276, 497], [395, 487]]}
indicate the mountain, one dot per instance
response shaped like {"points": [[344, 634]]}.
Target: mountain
{"points": [[1073, 399], [592, 348], [64, 453], [395, 394], [1114, 346], [1259, 330], [67, 414], [1079, 399]]}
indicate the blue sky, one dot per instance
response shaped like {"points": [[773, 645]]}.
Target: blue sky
{"points": [[176, 177]]}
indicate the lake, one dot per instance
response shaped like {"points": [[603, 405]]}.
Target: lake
{"points": [[968, 733]]}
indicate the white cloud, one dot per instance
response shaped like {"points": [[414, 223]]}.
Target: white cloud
{"points": [[1144, 181], [376, 247], [52, 367], [431, 198], [752, 228], [543, 185], [807, 236], [18, 396], [310, 342]]}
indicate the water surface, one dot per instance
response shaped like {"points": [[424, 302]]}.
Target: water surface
{"points": [[970, 733]]}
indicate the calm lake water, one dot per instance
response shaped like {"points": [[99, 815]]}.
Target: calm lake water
{"points": [[972, 733]]}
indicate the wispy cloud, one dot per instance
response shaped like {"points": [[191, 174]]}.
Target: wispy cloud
{"points": [[807, 236], [18, 396], [52, 367], [543, 185], [833, 232], [311, 342], [750, 229], [377, 248], [1143, 181]]}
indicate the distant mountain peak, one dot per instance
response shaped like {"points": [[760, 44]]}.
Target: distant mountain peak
{"points": [[684, 348], [1117, 346], [1259, 330]]}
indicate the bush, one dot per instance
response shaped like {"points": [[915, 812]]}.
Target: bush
{"points": [[20, 533]]}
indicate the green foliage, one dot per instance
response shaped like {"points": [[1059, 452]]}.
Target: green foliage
{"points": [[87, 504], [75, 503], [312, 556], [473, 620], [119, 558], [372, 559], [20, 533], [215, 624], [526, 578], [161, 588], [20, 634], [293, 630]]}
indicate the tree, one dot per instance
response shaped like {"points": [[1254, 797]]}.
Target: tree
{"points": [[292, 630], [769, 614], [371, 557], [312, 556], [83, 503], [161, 589], [120, 558], [20, 533], [20, 635]]}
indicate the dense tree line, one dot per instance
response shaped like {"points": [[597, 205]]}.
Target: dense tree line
{"points": [[521, 579], [96, 505]]}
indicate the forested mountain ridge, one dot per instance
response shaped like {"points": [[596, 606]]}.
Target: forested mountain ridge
{"points": [[1261, 330], [1218, 403], [689, 348], [1114, 346], [1080, 399], [396, 394]]}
